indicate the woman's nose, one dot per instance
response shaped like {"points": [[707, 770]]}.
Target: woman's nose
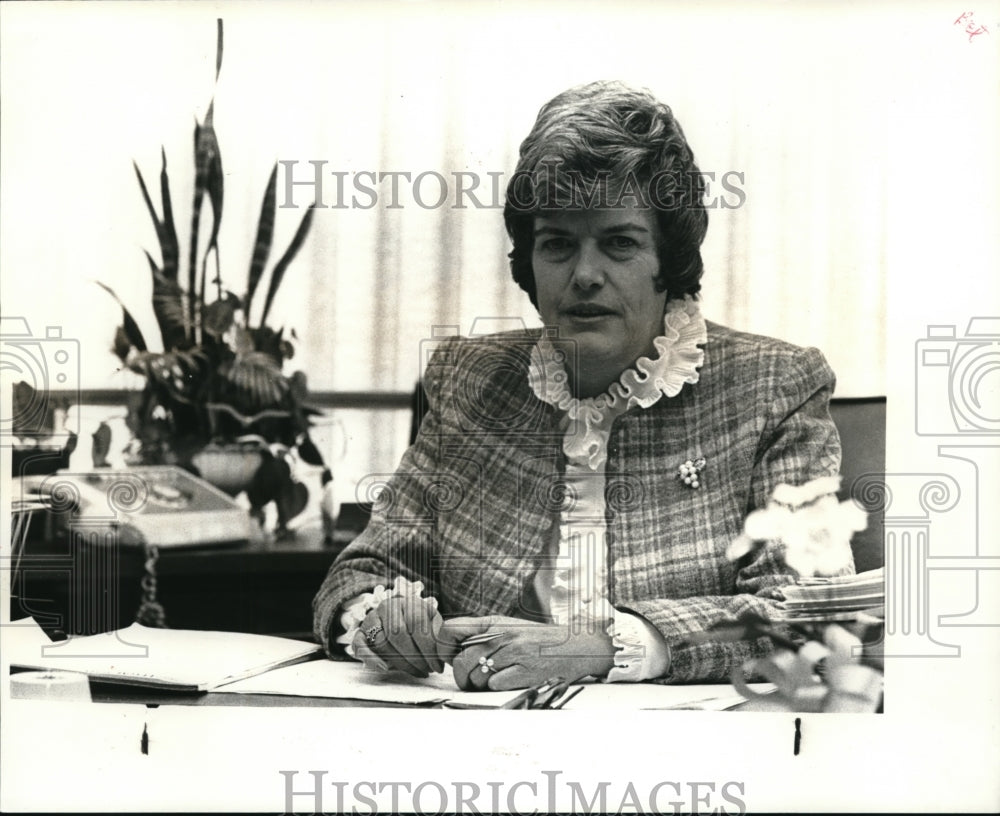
{"points": [[588, 273]]}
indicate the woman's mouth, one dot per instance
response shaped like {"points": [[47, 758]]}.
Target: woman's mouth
{"points": [[588, 311]]}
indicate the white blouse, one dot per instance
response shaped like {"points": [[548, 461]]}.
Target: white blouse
{"points": [[574, 589]]}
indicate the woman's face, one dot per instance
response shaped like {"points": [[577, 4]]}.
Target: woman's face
{"points": [[595, 273]]}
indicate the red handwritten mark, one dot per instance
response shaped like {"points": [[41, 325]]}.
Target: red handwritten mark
{"points": [[972, 28]]}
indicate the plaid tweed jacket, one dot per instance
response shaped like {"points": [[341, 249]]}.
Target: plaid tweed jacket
{"points": [[470, 509]]}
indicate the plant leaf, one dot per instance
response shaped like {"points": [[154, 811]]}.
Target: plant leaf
{"points": [[168, 232], [214, 180], [166, 235], [218, 316], [145, 197], [179, 373], [214, 184], [242, 341], [200, 177], [129, 326], [262, 245], [286, 259], [218, 47], [257, 380], [121, 345], [168, 307], [309, 452]]}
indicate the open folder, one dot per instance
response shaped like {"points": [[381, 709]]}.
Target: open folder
{"points": [[173, 659]]}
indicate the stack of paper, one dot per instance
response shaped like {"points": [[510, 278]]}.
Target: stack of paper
{"points": [[835, 599]]}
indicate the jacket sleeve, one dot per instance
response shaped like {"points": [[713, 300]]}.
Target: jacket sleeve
{"points": [[399, 538], [799, 442]]}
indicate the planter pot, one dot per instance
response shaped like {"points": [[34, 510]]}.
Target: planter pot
{"points": [[230, 468]]}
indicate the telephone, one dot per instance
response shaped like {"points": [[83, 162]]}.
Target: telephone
{"points": [[163, 506]]}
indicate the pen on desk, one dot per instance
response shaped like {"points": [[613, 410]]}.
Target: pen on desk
{"points": [[523, 700], [544, 695], [527, 698], [568, 697], [485, 637]]}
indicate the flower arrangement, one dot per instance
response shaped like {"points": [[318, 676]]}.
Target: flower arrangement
{"points": [[817, 664], [218, 382]]}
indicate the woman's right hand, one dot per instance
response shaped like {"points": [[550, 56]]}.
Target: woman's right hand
{"points": [[402, 632]]}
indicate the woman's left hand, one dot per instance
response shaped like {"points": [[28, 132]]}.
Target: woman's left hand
{"points": [[526, 654]]}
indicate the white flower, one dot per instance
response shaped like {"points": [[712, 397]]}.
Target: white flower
{"points": [[739, 547], [793, 496], [813, 528]]}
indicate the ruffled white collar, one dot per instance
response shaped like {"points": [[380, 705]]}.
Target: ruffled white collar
{"points": [[678, 358]]}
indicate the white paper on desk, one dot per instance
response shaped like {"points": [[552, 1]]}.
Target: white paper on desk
{"points": [[637, 696], [350, 680], [169, 658]]}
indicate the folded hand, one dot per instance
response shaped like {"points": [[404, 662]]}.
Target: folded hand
{"points": [[402, 632], [525, 655]]}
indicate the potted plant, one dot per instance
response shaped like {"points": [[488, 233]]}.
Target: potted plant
{"points": [[216, 399]]}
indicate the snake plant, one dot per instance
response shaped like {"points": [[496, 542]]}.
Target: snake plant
{"points": [[219, 377]]}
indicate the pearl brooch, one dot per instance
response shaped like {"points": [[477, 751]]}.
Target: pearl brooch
{"points": [[690, 472]]}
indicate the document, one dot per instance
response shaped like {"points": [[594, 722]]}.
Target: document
{"points": [[177, 659], [642, 696], [350, 680]]}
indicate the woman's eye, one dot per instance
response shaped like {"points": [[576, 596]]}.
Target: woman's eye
{"points": [[621, 247], [555, 246], [622, 242]]}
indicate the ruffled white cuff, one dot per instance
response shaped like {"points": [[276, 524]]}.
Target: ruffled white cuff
{"points": [[642, 653], [357, 609]]}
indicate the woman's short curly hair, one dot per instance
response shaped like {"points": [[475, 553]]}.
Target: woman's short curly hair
{"points": [[602, 144]]}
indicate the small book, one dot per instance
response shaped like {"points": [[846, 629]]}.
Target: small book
{"points": [[166, 659]]}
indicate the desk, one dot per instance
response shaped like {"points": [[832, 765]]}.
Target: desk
{"points": [[153, 698], [110, 693], [262, 587]]}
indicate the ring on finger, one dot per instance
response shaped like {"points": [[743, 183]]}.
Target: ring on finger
{"points": [[372, 633], [486, 664]]}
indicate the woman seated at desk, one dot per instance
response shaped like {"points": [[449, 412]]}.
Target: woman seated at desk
{"points": [[574, 489]]}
